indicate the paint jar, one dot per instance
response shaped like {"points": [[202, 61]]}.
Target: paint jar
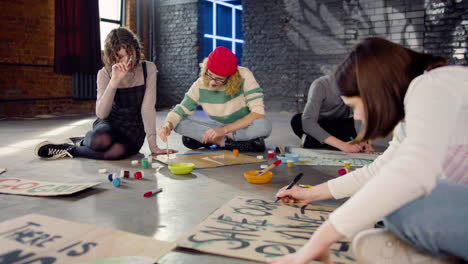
{"points": [[286, 149], [347, 165], [138, 175], [144, 163], [342, 172], [235, 152], [290, 163], [271, 154]]}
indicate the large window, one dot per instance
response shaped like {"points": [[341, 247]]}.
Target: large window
{"points": [[222, 26], [111, 14]]}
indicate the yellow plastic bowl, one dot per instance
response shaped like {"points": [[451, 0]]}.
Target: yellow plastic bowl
{"points": [[264, 178], [181, 168]]}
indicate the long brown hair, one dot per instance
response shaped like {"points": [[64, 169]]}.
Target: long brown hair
{"points": [[232, 85], [121, 38], [380, 71]]}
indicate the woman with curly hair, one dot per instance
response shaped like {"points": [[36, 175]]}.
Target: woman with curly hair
{"points": [[231, 96], [125, 106]]}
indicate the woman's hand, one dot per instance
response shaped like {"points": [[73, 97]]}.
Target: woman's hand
{"points": [[163, 133], [317, 247], [366, 147], [211, 134], [350, 147], [119, 70], [296, 195], [159, 151]]}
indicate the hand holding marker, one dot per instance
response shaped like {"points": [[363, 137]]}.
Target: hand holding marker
{"points": [[268, 168], [294, 181]]}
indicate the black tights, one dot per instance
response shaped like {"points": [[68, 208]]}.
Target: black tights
{"points": [[342, 129], [99, 144]]}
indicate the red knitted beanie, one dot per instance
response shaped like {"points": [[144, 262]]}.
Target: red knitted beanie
{"points": [[222, 61]]}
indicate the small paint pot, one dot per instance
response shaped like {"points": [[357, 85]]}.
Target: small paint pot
{"points": [[290, 163], [138, 175], [144, 163], [110, 177], [264, 178], [116, 181], [347, 165], [342, 172], [271, 154], [235, 152]]}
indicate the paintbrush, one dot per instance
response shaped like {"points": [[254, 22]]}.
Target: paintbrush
{"points": [[281, 149], [268, 168], [167, 148]]}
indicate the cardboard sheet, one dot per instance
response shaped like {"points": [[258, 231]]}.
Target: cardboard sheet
{"points": [[315, 157], [209, 159], [256, 230], [40, 188], [42, 239]]}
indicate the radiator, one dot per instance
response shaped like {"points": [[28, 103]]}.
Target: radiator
{"points": [[84, 86]]}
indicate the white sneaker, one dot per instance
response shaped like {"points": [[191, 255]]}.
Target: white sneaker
{"points": [[377, 246]]}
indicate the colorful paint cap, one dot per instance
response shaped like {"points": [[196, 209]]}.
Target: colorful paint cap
{"points": [[138, 175], [116, 181], [144, 163], [347, 165], [342, 172], [110, 177], [235, 152]]}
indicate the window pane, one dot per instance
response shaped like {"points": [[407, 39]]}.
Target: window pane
{"points": [[105, 28], [110, 9], [227, 44], [207, 17], [223, 21], [207, 47], [239, 52], [239, 34]]}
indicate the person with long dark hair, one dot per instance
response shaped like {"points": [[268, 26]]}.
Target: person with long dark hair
{"points": [[415, 186], [125, 106]]}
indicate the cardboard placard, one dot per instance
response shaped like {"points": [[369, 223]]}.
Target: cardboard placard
{"points": [[256, 229], [42, 239], [208, 159], [40, 188], [322, 157]]}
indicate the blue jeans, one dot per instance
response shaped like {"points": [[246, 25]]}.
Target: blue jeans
{"points": [[437, 223], [194, 128]]}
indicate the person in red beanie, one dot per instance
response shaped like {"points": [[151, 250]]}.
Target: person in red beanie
{"points": [[231, 97]]}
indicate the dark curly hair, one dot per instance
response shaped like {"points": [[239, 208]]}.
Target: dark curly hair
{"points": [[121, 38]]}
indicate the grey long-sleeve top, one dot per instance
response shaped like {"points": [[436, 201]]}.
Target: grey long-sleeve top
{"points": [[323, 102]]}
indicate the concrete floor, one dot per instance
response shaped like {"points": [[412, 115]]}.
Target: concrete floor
{"points": [[184, 203]]}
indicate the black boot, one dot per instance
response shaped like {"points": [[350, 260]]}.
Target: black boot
{"points": [[253, 145], [192, 143]]}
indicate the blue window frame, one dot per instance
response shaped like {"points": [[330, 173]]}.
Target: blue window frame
{"points": [[220, 22]]}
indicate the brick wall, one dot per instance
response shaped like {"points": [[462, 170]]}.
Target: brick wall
{"points": [[305, 38], [28, 85], [176, 49]]}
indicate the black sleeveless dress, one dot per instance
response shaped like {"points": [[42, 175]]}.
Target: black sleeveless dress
{"points": [[125, 117]]}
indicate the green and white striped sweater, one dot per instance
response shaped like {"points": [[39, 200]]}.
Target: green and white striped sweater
{"points": [[217, 104]]}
